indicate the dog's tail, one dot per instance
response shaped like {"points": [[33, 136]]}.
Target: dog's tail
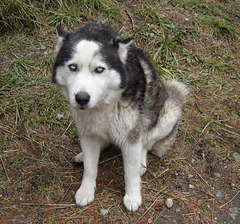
{"points": [[177, 90]]}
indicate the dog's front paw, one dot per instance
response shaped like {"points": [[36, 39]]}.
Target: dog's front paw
{"points": [[132, 202], [84, 196]]}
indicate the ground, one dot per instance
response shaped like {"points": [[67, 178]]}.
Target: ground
{"points": [[196, 42]]}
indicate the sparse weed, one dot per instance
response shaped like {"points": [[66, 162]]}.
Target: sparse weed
{"points": [[227, 158], [46, 191], [219, 27], [3, 185], [213, 15], [153, 14], [98, 4], [45, 62], [165, 50]]}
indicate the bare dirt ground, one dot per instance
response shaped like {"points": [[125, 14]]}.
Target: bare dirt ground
{"points": [[201, 174]]}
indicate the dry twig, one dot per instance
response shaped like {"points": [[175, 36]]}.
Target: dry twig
{"points": [[151, 204], [5, 170], [230, 200]]}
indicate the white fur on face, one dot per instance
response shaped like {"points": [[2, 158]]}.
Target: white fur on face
{"points": [[102, 87]]}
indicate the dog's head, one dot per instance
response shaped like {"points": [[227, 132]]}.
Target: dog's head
{"points": [[90, 65]]}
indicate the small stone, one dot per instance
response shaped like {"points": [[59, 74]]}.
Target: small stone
{"points": [[217, 175], [233, 212], [191, 186], [152, 35], [218, 194], [190, 176], [236, 156], [150, 221], [103, 212], [233, 216], [59, 116], [169, 203], [43, 48]]}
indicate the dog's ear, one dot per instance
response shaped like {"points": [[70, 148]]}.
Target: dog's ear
{"points": [[61, 34], [123, 46]]}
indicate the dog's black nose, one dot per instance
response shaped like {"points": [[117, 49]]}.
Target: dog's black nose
{"points": [[82, 98]]}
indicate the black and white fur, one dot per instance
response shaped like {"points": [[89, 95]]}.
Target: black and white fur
{"points": [[116, 97]]}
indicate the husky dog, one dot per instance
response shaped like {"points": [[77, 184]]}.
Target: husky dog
{"points": [[116, 97]]}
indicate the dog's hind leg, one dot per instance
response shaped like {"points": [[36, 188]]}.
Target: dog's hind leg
{"points": [[161, 147]]}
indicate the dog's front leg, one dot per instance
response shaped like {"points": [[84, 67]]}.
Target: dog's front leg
{"points": [[91, 150], [132, 160]]}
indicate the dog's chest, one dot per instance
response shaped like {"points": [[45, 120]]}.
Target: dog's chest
{"points": [[111, 123], [92, 123]]}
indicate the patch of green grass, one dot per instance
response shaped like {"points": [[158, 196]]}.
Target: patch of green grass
{"points": [[164, 54], [96, 4], [152, 14], [215, 16], [110, 9], [45, 64], [16, 15], [46, 191], [67, 17], [205, 7], [219, 27], [165, 50]]}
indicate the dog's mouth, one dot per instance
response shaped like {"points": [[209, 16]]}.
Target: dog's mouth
{"points": [[82, 107]]}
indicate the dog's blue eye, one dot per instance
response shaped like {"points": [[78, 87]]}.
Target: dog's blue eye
{"points": [[73, 67], [99, 70]]}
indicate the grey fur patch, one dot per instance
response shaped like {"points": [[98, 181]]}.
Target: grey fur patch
{"points": [[134, 134], [155, 93]]}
